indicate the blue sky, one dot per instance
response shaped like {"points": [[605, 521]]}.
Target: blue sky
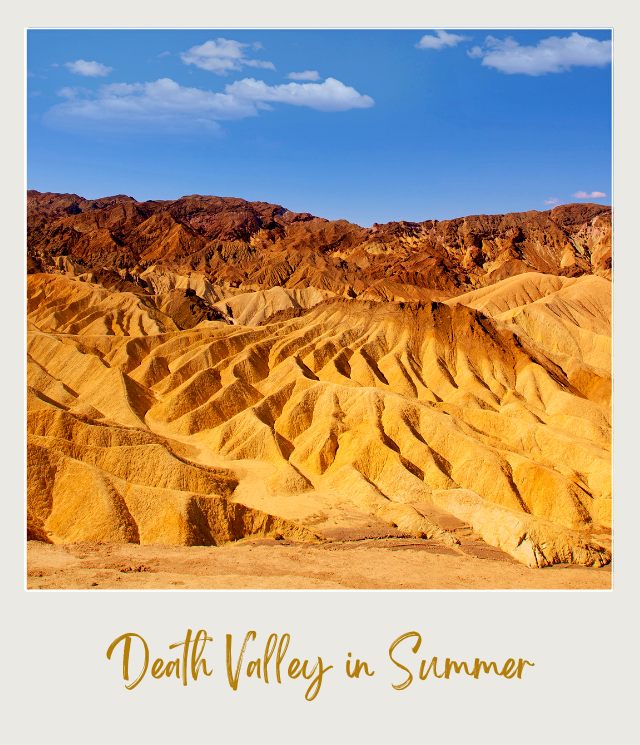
{"points": [[369, 126]]}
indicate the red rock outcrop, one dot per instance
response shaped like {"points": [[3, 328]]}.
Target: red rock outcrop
{"points": [[260, 245], [207, 369]]}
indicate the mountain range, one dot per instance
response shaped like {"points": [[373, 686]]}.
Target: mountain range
{"points": [[209, 369]]}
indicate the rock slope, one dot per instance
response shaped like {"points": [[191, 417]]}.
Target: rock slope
{"points": [[258, 245], [210, 369]]}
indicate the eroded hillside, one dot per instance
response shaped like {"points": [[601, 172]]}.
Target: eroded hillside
{"points": [[210, 369]]}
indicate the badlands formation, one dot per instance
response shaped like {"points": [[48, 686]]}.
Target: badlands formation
{"points": [[210, 372]]}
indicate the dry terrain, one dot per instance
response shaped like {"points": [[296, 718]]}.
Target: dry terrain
{"points": [[233, 395], [267, 564]]}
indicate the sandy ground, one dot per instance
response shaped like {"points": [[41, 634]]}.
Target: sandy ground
{"points": [[380, 563]]}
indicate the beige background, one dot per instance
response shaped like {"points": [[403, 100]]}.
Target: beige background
{"points": [[57, 683]]}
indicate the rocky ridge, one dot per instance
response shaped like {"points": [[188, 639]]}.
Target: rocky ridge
{"points": [[209, 369]]}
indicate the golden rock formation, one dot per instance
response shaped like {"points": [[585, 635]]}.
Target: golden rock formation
{"points": [[173, 406]]}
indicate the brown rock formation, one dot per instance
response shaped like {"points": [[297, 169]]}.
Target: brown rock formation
{"points": [[259, 245], [208, 369]]}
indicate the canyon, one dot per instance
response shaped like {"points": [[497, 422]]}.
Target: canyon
{"points": [[212, 374]]}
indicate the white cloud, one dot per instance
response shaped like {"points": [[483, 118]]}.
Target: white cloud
{"points": [[553, 54], [168, 106], [589, 195], [331, 95], [552, 200], [440, 40], [67, 92], [88, 69], [222, 56], [162, 104], [304, 75]]}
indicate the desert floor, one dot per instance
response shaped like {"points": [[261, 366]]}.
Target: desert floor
{"points": [[375, 563]]}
